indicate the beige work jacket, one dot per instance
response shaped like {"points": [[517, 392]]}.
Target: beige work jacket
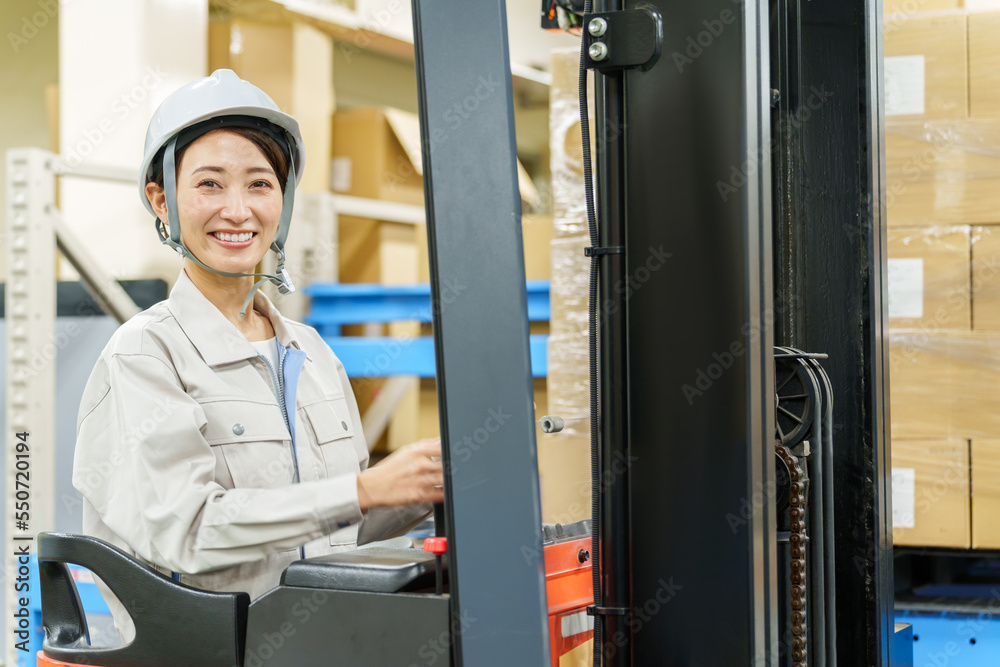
{"points": [[184, 458]]}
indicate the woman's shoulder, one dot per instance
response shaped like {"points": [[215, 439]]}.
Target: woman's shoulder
{"points": [[144, 333]]}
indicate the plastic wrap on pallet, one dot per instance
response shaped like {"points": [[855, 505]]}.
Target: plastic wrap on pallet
{"points": [[943, 172], [570, 285], [569, 370], [569, 383], [944, 384], [569, 206], [929, 277]]}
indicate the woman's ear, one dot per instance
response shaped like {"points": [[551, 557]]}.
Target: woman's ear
{"points": [[158, 200]]}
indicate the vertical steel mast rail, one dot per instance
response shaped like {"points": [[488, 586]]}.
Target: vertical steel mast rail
{"points": [[493, 513], [831, 133]]}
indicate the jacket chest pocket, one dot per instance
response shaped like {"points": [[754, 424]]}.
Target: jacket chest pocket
{"points": [[251, 444], [333, 429]]}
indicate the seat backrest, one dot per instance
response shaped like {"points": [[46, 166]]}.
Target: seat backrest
{"points": [[175, 624]]}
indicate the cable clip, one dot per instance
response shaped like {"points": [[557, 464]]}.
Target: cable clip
{"points": [[594, 610], [611, 250]]}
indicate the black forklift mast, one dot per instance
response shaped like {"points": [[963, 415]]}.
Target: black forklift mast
{"points": [[752, 154]]}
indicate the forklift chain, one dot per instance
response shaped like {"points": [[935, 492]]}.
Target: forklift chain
{"points": [[798, 538]]}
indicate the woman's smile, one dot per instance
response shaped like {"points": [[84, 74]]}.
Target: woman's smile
{"points": [[233, 239]]}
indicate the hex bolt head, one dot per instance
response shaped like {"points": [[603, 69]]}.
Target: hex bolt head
{"points": [[598, 51], [597, 27]]}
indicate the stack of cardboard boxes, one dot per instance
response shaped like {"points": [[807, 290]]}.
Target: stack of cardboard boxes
{"points": [[942, 100]]}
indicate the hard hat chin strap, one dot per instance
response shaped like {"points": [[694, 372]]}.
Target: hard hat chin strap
{"points": [[282, 279]]}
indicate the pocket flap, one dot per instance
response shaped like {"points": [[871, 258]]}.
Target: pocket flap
{"points": [[243, 421], [330, 419]]}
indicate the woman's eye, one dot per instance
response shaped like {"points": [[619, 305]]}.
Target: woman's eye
{"points": [[208, 183], [261, 184]]}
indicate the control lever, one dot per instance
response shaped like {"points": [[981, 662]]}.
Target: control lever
{"points": [[439, 547]]}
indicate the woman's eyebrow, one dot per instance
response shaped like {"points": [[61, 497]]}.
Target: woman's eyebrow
{"points": [[220, 170], [217, 170]]}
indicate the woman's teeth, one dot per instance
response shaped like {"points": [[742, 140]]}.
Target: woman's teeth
{"points": [[223, 236]]}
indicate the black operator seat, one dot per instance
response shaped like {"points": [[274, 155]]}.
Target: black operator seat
{"points": [[175, 624], [373, 569]]}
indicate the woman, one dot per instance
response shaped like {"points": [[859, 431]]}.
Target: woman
{"points": [[216, 441]]}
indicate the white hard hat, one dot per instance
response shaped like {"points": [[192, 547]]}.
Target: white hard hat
{"points": [[213, 97], [217, 101]]}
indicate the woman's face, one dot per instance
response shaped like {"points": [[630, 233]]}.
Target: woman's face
{"points": [[228, 201]]}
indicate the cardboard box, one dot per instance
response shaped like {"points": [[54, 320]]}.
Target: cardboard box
{"points": [[922, 385], [927, 67], [984, 65], [377, 251], [943, 172], [536, 235], [975, 358], [930, 493], [985, 461], [986, 278], [944, 385], [376, 153], [929, 285], [908, 7], [564, 477]]}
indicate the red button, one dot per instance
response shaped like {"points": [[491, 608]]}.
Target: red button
{"points": [[436, 545]]}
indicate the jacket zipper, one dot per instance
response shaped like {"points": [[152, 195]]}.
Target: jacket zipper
{"points": [[277, 382]]}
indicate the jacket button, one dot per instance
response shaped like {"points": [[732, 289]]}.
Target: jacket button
{"points": [[238, 428], [344, 424]]}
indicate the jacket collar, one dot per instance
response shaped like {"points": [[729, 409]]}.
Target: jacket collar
{"points": [[216, 338]]}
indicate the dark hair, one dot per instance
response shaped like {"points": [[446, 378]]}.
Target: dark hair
{"points": [[272, 150]]}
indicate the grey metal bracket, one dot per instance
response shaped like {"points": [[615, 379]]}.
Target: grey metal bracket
{"points": [[623, 39]]}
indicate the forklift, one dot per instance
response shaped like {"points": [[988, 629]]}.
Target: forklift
{"points": [[746, 379]]}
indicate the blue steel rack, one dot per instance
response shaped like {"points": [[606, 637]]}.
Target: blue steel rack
{"points": [[336, 304], [953, 638]]}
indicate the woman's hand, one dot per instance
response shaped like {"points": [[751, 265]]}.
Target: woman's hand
{"points": [[411, 475]]}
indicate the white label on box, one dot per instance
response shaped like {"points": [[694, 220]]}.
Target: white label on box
{"points": [[906, 287], [903, 497], [904, 85], [340, 174], [982, 5]]}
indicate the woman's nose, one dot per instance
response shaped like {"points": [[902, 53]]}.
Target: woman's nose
{"points": [[236, 208]]}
